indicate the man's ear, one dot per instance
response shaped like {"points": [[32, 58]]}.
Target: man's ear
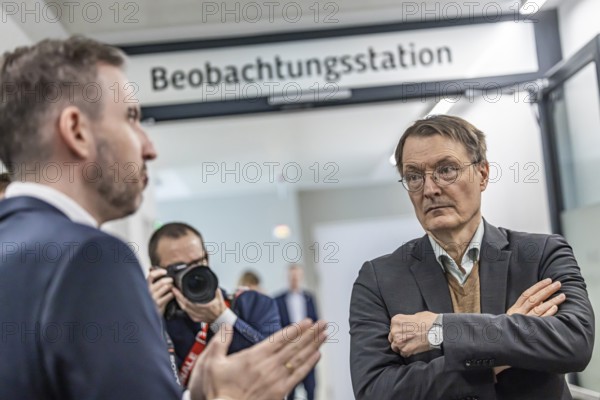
{"points": [[484, 170], [74, 129]]}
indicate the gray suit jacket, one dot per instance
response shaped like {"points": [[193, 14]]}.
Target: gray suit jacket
{"points": [[540, 350]]}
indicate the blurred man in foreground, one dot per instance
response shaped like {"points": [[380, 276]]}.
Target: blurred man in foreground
{"points": [[78, 321]]}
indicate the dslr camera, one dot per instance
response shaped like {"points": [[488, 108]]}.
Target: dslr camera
{"points": [[196, 282]]}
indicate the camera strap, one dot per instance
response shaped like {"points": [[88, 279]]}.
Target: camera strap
{"points": [[195, 351], [171, 349]]}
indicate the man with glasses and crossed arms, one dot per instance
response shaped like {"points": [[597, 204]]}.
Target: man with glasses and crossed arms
{"points": [[469, 310]]}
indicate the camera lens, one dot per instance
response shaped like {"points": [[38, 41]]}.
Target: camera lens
{"points": [[199, 284]]}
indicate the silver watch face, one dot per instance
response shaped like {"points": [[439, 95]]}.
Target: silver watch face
{"points": [[435, 335]]}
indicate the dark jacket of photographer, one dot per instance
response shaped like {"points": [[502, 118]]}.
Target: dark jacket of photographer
{"points": [[257, 318]]}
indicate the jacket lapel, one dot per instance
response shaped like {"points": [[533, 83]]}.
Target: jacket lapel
{"points": [[493, 270], [430, 278]]}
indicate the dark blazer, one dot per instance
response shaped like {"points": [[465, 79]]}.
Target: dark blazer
{"points": [[311, 310], [77, 318], [540, 350], [310, 380], [258, 318]]}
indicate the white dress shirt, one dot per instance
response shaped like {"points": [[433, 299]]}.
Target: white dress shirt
{"points": [[468, 260], [296, 306], [55, 198]]}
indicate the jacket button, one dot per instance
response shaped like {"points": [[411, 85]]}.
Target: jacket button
{"points": [[468, 363]]}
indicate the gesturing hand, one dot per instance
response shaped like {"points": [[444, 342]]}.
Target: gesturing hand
{"points": [[266, 371]]}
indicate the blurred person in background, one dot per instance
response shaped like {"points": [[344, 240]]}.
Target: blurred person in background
{"points": [[294, 305], [250, 280]]}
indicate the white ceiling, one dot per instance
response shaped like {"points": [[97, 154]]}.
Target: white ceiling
{"points": [[156, 21]]}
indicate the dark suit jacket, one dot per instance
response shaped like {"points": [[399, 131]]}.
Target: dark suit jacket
{"points": [[540, 350], [311, 310], [258, 318], [77, 318]]}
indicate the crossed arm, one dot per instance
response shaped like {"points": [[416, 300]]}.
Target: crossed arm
{"points": [[537, 333]]}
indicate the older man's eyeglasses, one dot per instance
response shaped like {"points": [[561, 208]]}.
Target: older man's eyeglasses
{"points": [[443, 175]]}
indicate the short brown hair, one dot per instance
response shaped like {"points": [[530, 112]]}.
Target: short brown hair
{"points": [[249, 278], [37, 80], [173, 230], [448, 126], [4, 181]]}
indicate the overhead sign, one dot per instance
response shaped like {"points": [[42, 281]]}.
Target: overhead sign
{"points": [[327, 67]]}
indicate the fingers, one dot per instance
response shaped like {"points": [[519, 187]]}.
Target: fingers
{"points": [[155, 273], [162, 301], [181, 300], [531, 291], [551, 311], [303, 356], [530, 301], [548, 308], [404, 348], [307, 341], [302, 370], [278, 340], [544, 294], [162, 288], [220, 343], [306, 346], [202, 383]]}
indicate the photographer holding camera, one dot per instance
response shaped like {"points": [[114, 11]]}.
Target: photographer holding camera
{"points": [[186, 293]]}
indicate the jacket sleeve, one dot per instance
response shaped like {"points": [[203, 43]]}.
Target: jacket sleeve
{"points": [[102, 331], [258, 317], [560, 344], [379, 373]]}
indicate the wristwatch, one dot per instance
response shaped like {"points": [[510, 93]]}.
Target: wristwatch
{"points": [[435, 334]]}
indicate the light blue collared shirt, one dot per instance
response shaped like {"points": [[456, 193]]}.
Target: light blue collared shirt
{"points": [[468, 260]]}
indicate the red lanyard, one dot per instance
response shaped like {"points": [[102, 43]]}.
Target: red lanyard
{"points": [[195, 351]]}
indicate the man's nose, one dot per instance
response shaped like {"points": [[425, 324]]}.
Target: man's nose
{"points": [[430, 186], [148, 150]]}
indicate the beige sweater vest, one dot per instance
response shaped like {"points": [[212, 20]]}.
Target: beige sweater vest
{"points": [[465, 299]]}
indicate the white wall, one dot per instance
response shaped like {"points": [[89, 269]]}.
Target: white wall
{"points": [[516, 197], [238, 232], [578, 24], [358, 241]]}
